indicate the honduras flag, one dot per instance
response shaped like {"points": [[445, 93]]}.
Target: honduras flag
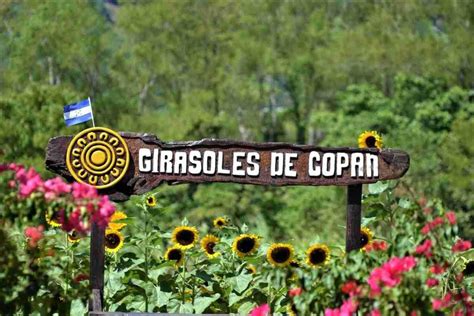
{"points": [[79, 112]]}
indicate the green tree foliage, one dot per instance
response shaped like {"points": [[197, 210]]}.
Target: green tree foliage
{"points": [[296, 71]]}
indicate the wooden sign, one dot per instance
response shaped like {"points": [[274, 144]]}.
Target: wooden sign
{"points": [[123, 164]]}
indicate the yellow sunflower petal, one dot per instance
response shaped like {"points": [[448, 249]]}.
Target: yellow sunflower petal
{"points": [[51, 221], [118, 215]]}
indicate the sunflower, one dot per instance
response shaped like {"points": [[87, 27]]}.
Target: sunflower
{"points": [[117, 216], [151, 201], [245, 244], [220, 222], [370, 139], [176, 254], [113, 240], [291, 309], [365, 236], [251, 269], [73, 237], [280, 255], [317, 254], [52, 220], [185, 236], [208, 243]]}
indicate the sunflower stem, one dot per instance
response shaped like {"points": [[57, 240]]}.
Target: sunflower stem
{"points": [[146, 254]]}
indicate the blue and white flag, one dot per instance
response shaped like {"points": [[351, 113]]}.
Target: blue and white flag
{"points": [[79, 112]]}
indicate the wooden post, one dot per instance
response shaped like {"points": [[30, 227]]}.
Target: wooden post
{"points": [[97, 257], [354, 199]]}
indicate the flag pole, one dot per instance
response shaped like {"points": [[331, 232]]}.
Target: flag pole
{"points": [[92, 111]]}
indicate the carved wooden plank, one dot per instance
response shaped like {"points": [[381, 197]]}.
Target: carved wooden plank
{"points": [[237, 162]]}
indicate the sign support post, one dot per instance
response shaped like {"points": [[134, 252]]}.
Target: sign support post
{"points": [[97, 263], [354, 214]]}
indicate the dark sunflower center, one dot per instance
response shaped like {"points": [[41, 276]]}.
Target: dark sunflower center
{"points": [[112, 241], [364, 239], [175, 254], [280, 254], [469, 270], [55, 216], [185, 237], [317, 256], [245, 244], [150, 200], [294, 264], [210, 247], [370, 141], [73, 235], [220, 222]]}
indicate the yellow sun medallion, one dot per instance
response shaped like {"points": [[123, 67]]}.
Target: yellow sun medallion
{"points": [[97, 156]]}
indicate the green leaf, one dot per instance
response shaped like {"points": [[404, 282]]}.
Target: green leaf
{"points": [[201, 303], [245, 308], [379, 187], [404, 203], [241, 282], [234, 298], [162, 297]]}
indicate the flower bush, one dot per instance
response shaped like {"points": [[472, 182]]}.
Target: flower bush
{"points": [[43, 268], [412, 261]]}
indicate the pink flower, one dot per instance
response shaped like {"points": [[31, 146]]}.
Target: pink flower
{"points": [[437, 304], [437, 221], [425, 248], [389, 274], [295, 292], [30, 181], [55, 187], [105, 211], [34, 235], [375, 312], [437, 269], [350, 287], [376, 245], [11, 184], [348, 308], [451, 216], [432, 282], [332, 312], [426, 229], [83, 191], [427, 210], [262, 310], [461, 245]]}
